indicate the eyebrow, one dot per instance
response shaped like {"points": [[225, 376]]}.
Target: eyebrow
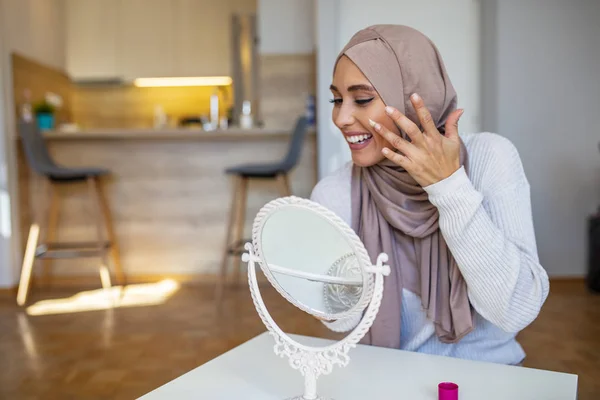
{"points": [[355, 88]]}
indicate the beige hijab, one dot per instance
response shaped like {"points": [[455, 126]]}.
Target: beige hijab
{"points": [[390, 212]]}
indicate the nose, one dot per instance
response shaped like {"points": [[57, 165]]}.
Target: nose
{"points": [[344, 116]]}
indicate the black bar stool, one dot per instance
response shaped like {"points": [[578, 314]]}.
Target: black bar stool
{"points": [[40, 161], [278, 172]]}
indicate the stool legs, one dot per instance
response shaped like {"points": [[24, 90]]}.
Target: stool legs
{"points": [[93, 192], [239, 227], [28, 260], [114, 247], [284, 185], [235, 228], [53, 250], [224, 259], [53, 215]]}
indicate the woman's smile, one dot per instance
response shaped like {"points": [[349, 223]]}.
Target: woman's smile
{"points": [[358, 140]]}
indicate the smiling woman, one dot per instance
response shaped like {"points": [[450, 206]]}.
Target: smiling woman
{"points": [[452, 210]]}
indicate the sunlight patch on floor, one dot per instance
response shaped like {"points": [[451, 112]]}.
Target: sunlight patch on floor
{"points": [[143, 294]]}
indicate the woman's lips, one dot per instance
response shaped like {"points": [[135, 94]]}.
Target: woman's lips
{"points": [[358, 140]]}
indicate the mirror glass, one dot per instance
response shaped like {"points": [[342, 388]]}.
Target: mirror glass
{"points": [[311, 260]]}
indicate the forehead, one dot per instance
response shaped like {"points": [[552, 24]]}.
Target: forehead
{"points": [[347, 73]]}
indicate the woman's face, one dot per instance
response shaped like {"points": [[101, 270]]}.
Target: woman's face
{"points": [[355, 101]]}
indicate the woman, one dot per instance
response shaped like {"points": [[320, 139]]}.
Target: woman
{"points": [[452, 212]]}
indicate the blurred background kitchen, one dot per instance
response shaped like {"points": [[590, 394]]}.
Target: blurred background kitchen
{"points": [[167, 95], [195, 113]]}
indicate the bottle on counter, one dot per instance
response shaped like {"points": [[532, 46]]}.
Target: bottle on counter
{"points": [[26, 112], [214, 109], [224, 123], [160, 117], [246, 121]]}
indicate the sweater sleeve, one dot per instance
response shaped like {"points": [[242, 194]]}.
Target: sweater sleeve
{"points": [[492, 240]]}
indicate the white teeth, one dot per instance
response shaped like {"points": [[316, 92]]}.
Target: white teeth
{"points": [[357, 138]]}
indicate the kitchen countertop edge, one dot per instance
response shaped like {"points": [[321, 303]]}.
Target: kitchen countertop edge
{"points": [[171, 134]]}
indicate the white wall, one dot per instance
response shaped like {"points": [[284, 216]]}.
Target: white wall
{"points": [[453, 27], [286, 26], [35, 29], [5, 219], [542, 67], [332, 150]]}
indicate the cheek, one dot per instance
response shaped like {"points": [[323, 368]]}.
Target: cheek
{"points": [[380, 143], [390, 126], [384, 120]]}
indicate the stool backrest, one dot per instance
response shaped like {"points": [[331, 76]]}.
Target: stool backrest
{"points": [[295, 150], [34, 146]]}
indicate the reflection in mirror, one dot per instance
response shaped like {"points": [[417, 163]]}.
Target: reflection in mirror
{"points": [[342, 297], [311, 261]]}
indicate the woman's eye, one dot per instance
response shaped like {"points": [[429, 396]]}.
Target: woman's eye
{"points": [[336, 101], [362, 102]]}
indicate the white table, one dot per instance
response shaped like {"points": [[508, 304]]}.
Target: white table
{"points": [[253, 371]]}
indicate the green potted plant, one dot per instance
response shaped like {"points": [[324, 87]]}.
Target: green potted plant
{"points": [[44, 113]]}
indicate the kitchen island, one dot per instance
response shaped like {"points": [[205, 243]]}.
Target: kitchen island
{"points": [[169, 194]]}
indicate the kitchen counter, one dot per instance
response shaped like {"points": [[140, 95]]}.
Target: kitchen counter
{"points": [[168, 191], [172, 134]]}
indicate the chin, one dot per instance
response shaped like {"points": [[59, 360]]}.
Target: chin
{"points": [[366, 160]]}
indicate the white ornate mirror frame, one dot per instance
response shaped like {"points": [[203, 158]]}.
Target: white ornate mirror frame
{"points": [[315, 361]]}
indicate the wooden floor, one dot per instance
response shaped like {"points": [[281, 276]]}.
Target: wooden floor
{"points": [[126, 352]]}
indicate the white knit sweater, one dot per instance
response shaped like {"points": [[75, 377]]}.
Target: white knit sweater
{"points": [[485, 217]]}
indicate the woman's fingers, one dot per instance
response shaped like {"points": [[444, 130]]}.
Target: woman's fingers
{"points": [[452, 124], [405, 124], [396, 158], [424, 115], [393, 138]]}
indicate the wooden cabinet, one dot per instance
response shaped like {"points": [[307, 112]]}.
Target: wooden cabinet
{"points": [[91, 39], [150, 38], [146, 36], [202, 45]]}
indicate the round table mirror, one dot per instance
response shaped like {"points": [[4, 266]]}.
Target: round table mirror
{"points": [[317, 263], [312, 262]]}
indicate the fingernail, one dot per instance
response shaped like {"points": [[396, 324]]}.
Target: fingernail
{"points": [[415, 97], [385, 151], [461, 113], [374, 124], [389, 110]]}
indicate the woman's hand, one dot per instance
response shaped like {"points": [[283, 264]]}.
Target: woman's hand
{"points": [[429, 157]]}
